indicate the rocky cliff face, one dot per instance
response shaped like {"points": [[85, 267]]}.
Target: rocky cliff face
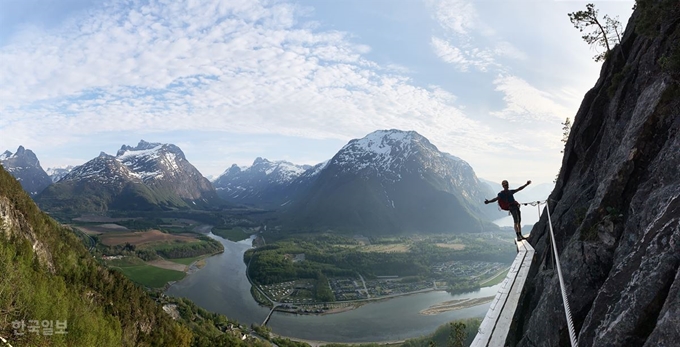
{"points": [[25, 167], [616, 205], [264, 183], [147, 177]]}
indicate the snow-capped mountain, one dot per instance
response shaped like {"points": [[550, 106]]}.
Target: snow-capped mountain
{"points": [[392, 180], [262, 183], [57, 173], [25, 167], [148, 176]]}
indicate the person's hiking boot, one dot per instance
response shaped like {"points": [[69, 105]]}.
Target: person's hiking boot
{"points": [[520, 237]]}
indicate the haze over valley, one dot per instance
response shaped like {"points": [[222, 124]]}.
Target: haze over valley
{"points": [[388, 215]]}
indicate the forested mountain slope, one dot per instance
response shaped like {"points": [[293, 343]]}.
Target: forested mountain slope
{"points": [[48, 275]]}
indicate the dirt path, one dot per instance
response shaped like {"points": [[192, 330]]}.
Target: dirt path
{"points": [[166, 264]]}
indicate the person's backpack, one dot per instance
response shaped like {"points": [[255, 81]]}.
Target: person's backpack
{"points": [[503, 202]]}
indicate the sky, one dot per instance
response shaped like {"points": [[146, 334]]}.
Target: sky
{"points": [[232, 80]]}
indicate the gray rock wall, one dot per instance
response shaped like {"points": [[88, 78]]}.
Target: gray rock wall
{"points": [[615, 211]]}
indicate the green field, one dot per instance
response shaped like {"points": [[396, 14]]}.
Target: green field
{"points": [[494, 281], [231, 234], [151, 276], [125, 262], [176, 230], [186, 261]]}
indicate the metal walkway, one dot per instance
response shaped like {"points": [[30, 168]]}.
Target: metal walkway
{"points": [[494, 329]]}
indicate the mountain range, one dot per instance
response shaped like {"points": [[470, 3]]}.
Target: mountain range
{"points": [[57, 173], [150, 176], [264, 184], [393, 181], [388, 181], [25, 167]]}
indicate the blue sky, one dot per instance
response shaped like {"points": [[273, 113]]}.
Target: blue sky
{"points": [[229, 81]]}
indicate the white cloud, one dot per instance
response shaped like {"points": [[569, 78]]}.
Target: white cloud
{"points": [[458, 16], [525, 102], [506, 49], [211, 65], [187, 70], [468, 40], [463, 59]]}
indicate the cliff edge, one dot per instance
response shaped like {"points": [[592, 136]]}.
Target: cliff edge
{"points": [[616, 205]]}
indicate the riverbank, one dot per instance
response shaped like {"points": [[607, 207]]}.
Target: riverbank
{"points": [[453, 305], [386, 320], [318, 308], [317, 343]]}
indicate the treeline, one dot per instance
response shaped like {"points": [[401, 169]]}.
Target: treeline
{"points": [[322, 289], [429, 253], [203, 246], [325, 254], [457, 333], [209, 329], [273, 264], [188, 250], [141, 223]]}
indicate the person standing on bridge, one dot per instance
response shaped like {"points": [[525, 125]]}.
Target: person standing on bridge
{"points": [[507, 202]]}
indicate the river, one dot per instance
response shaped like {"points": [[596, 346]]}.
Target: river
{"points": [[221, 286]]}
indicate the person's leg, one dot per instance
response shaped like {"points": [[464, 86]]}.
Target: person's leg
{"points": [[519, 223], [516, 219]]}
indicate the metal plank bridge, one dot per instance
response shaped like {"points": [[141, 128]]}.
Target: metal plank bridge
{"points": [[496, 324]]}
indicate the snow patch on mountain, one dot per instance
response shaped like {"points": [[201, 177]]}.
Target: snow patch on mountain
{"points": [[315, 170], [279, 172], [287, 171], [382, 141], [150, 153], [104, 169], [383, 151], [149, 160], [57, 173]]}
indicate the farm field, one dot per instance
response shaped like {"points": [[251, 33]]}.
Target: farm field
{"points": [[100, 219], [389, 248], [153, 258], [231, 234], [151, 276], [188, 261], [167, 264], [101, 228], [138, 238], [153, 273]]}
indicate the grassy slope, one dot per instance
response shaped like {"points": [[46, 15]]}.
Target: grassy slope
{"points": [[231, 234], [102, 307], [151, 276], [496, 280]]}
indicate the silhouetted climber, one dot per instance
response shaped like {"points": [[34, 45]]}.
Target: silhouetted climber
{"points": [[507, 202]]}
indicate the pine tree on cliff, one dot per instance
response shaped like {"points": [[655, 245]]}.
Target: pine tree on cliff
{"points": [[605, 32]]}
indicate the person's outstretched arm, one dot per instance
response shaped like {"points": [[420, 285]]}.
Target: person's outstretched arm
{"points": [[524, 186], [490, 201]]}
